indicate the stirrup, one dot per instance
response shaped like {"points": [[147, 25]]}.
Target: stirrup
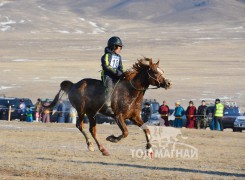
{"points": [[109, 111]]}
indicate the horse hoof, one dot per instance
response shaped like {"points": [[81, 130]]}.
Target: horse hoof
{"points": [[112, 138], [150, 153], [104, 151], [91, 148]]}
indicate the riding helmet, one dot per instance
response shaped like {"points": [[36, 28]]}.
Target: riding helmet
{"points": [[114, 41]]}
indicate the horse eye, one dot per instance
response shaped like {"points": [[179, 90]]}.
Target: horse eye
{"points": [[155, 71]]}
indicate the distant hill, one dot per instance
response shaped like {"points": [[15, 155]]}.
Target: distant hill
{"points": [[79, 16], [179, 11]]}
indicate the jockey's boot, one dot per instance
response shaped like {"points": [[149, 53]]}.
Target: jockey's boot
{"points": [[109, 111]]}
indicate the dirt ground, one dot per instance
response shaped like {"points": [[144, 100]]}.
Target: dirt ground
{"points": [[58, 151]]}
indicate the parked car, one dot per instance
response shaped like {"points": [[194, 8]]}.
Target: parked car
{"points": [[239, 124], [5, 102], [101, 119], [3, 112], [230, 115]]}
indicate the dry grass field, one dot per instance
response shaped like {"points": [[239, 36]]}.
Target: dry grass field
{"points": [[58, 151]]}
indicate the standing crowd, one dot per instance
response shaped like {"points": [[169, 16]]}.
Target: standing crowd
{"points": [[43, 113], [195, 117]]}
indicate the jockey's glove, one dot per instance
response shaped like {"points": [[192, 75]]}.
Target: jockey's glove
{"points": [[119, 73]]}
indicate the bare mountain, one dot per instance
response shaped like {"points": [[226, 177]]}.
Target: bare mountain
{"points": [[72, 15], [179, 11]]}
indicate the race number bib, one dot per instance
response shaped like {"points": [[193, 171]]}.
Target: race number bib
{"points": [[114, 61]]}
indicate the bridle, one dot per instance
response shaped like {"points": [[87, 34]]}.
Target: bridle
{"points": [[155, 79], [150, 77]]}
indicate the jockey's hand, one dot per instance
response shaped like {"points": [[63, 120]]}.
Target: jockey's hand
{"points": [[119, 73]]}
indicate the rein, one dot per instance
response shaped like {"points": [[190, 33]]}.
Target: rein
{"points": [[144, 89], [135, 87]]}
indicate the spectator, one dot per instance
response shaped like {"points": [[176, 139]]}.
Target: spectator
{"points": [[164, 111], [38, 109], [191, 115], [201, 115], [61, 112], [28, 112], [46, 112], [72, 115], [218, 115], [22, 108], [178, 113], [146, 112]]}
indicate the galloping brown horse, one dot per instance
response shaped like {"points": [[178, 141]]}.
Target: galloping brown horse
{"points": [[87, 96]]}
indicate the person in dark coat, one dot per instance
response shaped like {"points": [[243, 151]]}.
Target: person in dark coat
{"points": [[191, 115], [201, 115], [61, 112], [146, 112], [164, 111], [112, 68]]}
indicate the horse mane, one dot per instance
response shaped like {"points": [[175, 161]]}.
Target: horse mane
{"points": [[137, 67]]}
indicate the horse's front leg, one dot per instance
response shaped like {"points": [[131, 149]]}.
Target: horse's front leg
{"points": [[139, 122], [122, 125]]}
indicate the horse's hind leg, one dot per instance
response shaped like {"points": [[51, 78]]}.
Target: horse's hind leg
{"points": [[93, 131], [80, 126]]}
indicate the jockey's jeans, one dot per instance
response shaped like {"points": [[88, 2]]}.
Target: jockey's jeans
{"points": [[109, 84]]}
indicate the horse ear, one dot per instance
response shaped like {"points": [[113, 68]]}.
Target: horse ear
{"points": [[150, 62], [158, 62]]}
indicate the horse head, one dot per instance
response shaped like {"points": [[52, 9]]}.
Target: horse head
{"points": [[155, 73]]}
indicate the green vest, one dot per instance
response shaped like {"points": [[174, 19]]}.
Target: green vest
{"points": [[219, 110]]}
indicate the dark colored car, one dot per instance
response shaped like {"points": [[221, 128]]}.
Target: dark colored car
{"points": [[230, 115], [100, 119], [239, 124], [3, 112], [5, 102]]}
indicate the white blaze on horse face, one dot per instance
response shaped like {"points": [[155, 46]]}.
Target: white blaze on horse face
{"points": [[160, 71]]}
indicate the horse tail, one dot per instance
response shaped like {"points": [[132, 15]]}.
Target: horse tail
{"points": [[54, 102], [66, 86]]}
